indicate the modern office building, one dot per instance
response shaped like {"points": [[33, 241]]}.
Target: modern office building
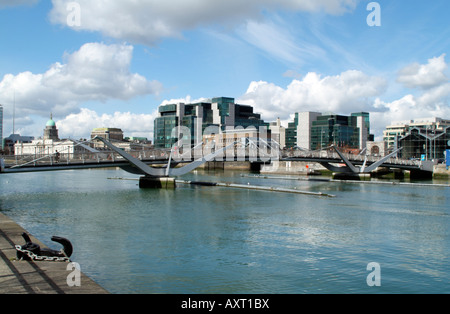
{"points": [[278, 133], [305, 123], [425, 138], [291, 133], [424, 144], [313, 130], [350, 132], [333, 130], [175, 115], [363, 125], [221, 112], [397, 130]]}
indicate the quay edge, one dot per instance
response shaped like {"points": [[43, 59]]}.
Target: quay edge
{"points": [[35, 277]]}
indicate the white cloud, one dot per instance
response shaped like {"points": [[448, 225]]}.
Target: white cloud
{"points": [[434, 86], [351, 91], [186, 100], [146, 22], [79, 125], [96, 72], [424, 76]]}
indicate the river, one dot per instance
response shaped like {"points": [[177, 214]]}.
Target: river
{"points": [[198, 239]]}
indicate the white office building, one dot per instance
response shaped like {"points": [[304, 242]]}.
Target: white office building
{"points": [[278, 132], [305, 122]]}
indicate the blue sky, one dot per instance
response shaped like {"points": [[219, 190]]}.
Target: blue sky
{"points": [[282, 56]]}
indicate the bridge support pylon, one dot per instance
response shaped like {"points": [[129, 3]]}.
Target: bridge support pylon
{"points": [[148, 182]]}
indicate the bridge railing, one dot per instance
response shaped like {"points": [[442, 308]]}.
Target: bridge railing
{"points": [[104, 156], [328, 154], [163, 154], [80, 158]]}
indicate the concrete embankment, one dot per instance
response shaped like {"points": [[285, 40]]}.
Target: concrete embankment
{"points": [[37, 277], [441, 171]]}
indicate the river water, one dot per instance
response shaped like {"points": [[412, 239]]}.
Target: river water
{"points": [[224, 240]]}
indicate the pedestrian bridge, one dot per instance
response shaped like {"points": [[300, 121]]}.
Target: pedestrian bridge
{"points": [[168, 163], [350, 163]]}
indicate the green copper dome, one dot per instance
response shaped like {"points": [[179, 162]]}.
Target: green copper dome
{"points": [[51, 122]]}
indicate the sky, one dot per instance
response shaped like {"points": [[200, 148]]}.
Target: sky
{"points": [[112, 63]]}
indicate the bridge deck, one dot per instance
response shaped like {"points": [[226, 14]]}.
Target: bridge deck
{"points": [[111, 159], [120, 164]]}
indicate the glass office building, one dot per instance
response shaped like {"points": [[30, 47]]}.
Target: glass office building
{"points": [[291, 133], [314, 131], [164, 124], [221, 112], [425, 143], [342, 131], [400, 129]]}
